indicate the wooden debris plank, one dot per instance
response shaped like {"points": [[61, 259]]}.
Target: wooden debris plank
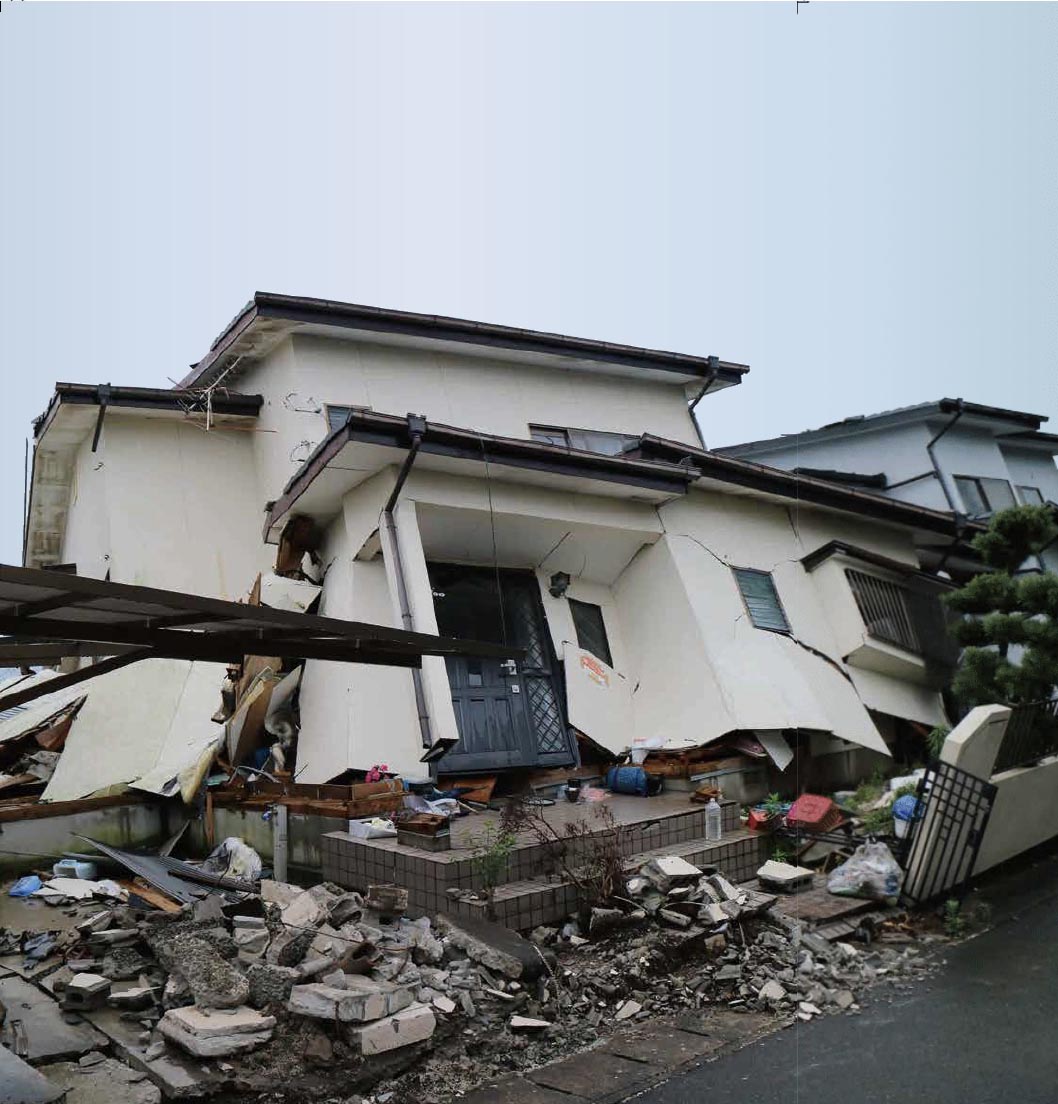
{"points": [[149, 894], [482, 787]]}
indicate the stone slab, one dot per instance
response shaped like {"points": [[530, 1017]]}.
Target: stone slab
{"points": [[816, 905], [731, 1027], [602, 1078], [516, 1090], [48, 1036], [107, 1082], [210, 1023], [664, 1046], [211, 1046], [412, 1025], [22, 1084], [497, 948], [176, 1074]]}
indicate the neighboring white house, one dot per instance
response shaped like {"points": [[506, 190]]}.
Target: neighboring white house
{"points": [[548, 492], [948, 455]]}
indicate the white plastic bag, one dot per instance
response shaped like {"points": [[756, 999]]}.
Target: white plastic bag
{"points": [[872, 872], [234, 859]]}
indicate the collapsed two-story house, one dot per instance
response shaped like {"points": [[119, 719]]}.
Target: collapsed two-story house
{"points": [[546, 492], [952, 455]]}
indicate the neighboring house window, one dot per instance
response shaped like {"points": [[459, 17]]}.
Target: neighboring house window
{"points": [[591, 630], [338, 415], [884, 609], [983, 495], [761, 599], [1030, 496], [588, 440]]}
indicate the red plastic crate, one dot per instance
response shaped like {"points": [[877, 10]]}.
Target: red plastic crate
{"points": [[814, 813]]}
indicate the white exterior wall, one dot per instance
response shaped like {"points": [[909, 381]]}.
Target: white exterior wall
{"points": [[1032, 468], [165, 504], [87, 541], [305, 373], [688, 666]]}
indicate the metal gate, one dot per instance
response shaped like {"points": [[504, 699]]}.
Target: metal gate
{"points": [[946, 837]]}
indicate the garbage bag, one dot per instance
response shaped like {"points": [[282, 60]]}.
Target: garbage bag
{"points": [[234, 859], [25, 886], [871, 872]]}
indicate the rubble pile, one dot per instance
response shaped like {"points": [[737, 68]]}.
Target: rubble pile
{"points": [[260, 992]]}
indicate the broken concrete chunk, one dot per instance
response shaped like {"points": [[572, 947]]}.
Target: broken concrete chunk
{"points": [[304, 911], [497, 948], [133, 1000], [346, 909], [725, 889], [771, 992], [214, 982], [712, 913], [387, 900], [668, 871], [359, 1000], [676, 919], [784, 877], [527, 1023], [412, 1025], [444, 1004], [270, 984], [627, 1009], [215, 1033], [279, 893]]}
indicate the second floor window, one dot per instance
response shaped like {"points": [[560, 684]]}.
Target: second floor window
{"points": [[983, 495], [1030, 496], [884, 608], [761, 599], [587, 440]]}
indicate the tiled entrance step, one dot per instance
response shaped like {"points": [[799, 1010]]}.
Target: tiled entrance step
{"points": [[531, 902], [664, 825]]}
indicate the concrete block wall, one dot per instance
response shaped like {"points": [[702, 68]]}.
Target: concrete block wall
{"points": [[1025, 811]]}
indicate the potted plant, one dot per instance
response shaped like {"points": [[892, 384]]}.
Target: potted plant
{"points": [[766, 816]]}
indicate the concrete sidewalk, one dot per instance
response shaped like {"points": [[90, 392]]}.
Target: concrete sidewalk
{"points": [[984, 1029]]}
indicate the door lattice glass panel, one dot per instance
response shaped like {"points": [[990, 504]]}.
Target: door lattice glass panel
{"points": [[547, 721], [524, 627]]}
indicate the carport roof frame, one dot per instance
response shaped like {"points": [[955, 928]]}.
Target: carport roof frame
{"points": [[135, 622]]}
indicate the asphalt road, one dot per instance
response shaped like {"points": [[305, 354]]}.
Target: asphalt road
{"points": [[983, 1029]]}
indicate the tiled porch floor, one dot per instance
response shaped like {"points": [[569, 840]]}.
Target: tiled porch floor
{"points": [[668, 821]]}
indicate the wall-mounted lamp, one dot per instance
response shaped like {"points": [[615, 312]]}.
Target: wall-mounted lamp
{"points": [[559, 584]]}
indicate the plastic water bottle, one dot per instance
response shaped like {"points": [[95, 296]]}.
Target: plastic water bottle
{"points": [[713, 820]]}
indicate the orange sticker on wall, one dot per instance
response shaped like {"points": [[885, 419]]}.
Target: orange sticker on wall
{"points": [[596, 671]]}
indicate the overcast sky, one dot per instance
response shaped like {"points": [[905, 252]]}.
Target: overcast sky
{"points": [[859, 201]]}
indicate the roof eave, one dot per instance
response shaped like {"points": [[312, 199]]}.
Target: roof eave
{"points": [[300, 310], [449, 441], [818, 492]]}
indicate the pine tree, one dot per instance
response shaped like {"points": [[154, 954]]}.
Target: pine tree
{"points": [[1002, 608]]}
